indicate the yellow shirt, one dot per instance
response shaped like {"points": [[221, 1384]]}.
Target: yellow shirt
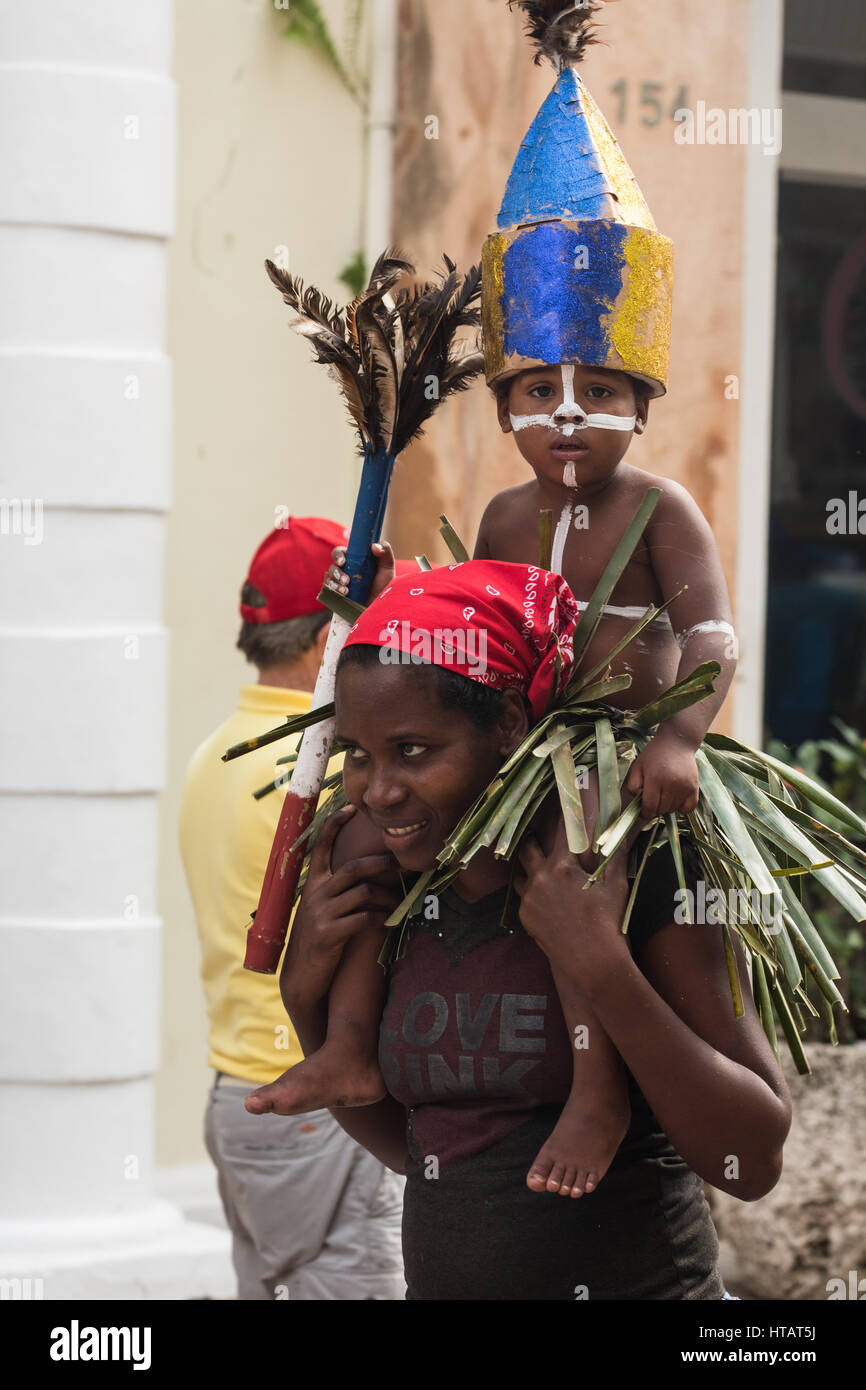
{"points": [[225, 842]]}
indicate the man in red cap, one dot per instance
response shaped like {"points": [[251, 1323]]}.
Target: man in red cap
{"points": [[312, 1214]]}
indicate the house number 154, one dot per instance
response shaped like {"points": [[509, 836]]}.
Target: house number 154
{"points": [[652, 102]]}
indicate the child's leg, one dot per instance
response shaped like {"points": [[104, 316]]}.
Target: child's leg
{"points": [[596, 1116], [344, 1070]]}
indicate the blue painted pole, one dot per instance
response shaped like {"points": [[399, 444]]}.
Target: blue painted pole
{"points": [[267, 935], [367, 522]]}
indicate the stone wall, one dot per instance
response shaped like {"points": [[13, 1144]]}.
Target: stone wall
{"points": [[811, 1228]]}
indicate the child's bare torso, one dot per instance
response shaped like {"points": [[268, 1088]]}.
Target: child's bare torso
{"points": [[594, 529]]}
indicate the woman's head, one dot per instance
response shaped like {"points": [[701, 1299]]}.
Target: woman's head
{"points": [[420, 743], [437, 684]]}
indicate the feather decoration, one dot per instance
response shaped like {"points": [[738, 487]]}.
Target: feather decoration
{"points": [[559, 32], [379, 365], [399, 347], [391, 267], [356, 403], [430, 319], [308, 303], [388, 347]]}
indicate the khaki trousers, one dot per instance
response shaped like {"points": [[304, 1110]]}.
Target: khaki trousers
{"points": [[313, 1216]]}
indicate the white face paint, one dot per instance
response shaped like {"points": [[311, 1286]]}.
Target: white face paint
{"points": [[561, 531], [611, 610], [569, 416], [702, 628]]}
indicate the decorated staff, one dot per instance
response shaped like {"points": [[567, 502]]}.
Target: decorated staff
{"points": [[395, 355], [577, 290]]}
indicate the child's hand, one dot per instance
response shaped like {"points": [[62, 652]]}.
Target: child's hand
{"points": [[666, 775], [556, 913], [337, 578]]}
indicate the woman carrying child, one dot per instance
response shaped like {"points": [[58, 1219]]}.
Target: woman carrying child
{"points": [[473, 1047]]}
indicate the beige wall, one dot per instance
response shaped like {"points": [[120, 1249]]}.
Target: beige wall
{"points": [[269, 152], [472, 68]]}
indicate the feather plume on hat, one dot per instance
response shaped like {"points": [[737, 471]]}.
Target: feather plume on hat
{"points": [[561, 33]]}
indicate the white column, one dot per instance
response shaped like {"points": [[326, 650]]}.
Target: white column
{"points": [[765, 44], [87, 131]]}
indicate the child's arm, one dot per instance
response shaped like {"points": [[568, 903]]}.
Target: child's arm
{"points": [[482, 544], [683, 552], [333, 907]]}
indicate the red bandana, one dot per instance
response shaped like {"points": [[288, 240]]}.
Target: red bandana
{"points": [[496, 623]]}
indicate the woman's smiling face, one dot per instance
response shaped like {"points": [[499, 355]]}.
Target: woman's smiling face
{"points": [[411, 763]]}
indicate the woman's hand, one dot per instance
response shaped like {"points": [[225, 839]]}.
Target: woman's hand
{"points": [[577, 926], [337, 904]]}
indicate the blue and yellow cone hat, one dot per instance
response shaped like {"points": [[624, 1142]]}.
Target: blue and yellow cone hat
{"points": [[577, 270]]}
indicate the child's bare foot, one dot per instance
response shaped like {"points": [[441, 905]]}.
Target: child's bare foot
{"points": [[581, 1148], [323, 1080]]}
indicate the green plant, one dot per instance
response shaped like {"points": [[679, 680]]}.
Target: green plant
{"points": [[354, 274], [840, 766], [307, 24]]}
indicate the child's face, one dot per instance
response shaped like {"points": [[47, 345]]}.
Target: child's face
{"points": [[544, 405]]}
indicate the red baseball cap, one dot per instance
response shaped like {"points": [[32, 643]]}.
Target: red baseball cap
{"points": [[289, 568]]}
